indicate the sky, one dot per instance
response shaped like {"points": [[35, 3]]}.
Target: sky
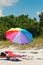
{"points": [[19, 7]]}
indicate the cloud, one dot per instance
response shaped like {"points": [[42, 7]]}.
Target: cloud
{"points": [[7, 2], [1, 13], [38, 13]]}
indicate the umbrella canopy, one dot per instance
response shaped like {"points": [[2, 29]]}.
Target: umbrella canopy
{"points": [[18, 35]]}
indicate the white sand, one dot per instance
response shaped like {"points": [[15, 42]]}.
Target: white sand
{"points": [[34, 57]]}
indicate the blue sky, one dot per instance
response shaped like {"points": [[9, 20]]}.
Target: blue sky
{"points": [[18, 7]]}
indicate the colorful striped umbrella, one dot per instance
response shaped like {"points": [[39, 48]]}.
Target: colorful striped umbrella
{"points": [[18, 35]]}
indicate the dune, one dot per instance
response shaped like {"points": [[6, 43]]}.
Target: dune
{"points": [[33, 57]]}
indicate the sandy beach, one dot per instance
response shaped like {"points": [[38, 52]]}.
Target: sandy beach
{"points": [[33, 57]]}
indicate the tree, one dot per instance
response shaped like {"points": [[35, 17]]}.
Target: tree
{"points": [[41, 19], [22, 21]]}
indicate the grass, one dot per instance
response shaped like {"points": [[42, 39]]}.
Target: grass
{"points": [[7, 43], [37, 43]]}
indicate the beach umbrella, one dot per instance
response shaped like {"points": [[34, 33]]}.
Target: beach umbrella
{"points": [[18, 35]]}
